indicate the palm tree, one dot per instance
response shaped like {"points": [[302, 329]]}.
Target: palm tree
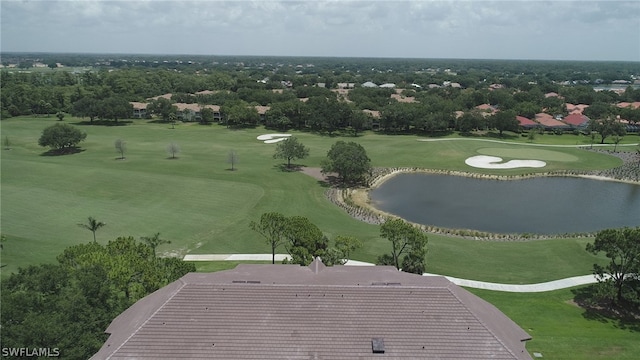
{"points": [[154, 241], [93, 225]]}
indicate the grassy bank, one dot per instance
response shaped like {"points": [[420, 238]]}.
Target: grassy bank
{"points": [[202, 207]]}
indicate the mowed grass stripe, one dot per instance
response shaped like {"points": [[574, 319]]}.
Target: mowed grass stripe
{"points": [[202, 207]]}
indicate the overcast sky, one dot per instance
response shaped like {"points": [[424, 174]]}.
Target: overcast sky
{"points": [[479, 29]]}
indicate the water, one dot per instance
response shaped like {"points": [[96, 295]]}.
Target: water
{"points": [[543, 205]]}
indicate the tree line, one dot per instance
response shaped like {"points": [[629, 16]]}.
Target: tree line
{"points": [[69, 304], [106, 95]]}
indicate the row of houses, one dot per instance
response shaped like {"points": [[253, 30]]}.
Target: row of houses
{"points": [[575, 120], [190, 112]]}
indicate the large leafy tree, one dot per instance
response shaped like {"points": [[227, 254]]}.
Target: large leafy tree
{"points": [[606, 127], [162, 108], [304, 240], [69, 305], [504, 120], [291, 149], [349, 160], [620, 278], [115, 108], [86, 106], [272, 226], [405, 240], [61, 137]]}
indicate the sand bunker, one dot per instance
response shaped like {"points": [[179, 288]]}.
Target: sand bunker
{"points": [[494, 162], [272, 138]]}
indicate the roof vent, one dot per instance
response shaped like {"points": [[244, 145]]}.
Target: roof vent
{"points": [[377, 345]]}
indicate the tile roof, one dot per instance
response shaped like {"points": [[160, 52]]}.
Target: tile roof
{"points": [[575, 109], [576, 119], [403, 99], [487, 107], [166, 96], [548, 120], [635, 104], [315, 312], [373, 113], [138, 105], [525, 121]]}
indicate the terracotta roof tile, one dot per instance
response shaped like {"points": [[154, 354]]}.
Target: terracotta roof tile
{"points": [[314, 312]]}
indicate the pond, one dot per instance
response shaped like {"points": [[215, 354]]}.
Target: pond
{"points": [[541, 205]]}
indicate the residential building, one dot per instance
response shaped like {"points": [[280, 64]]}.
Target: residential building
{"points": [[315, 312]]}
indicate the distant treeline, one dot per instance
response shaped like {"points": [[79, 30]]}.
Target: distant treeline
{"points": [[319, 94]]}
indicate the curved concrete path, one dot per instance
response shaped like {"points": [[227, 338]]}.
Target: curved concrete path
{"points": [[525, 288]]}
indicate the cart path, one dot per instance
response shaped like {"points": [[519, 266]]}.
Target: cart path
{"points": [[518, 288]]}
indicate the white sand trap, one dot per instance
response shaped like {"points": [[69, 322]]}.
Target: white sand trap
{"points": [[272, 138], [493, 162]]}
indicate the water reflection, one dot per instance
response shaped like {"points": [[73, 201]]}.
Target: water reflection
{"points": [[544, 205]]}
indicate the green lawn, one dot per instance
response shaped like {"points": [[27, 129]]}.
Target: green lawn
{"points": [[202, 207], [562, 330]]}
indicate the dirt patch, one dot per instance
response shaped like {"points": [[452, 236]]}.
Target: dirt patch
{"points": [[317, 174]]}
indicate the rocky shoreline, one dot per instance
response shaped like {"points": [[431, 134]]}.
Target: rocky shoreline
{"points": [[355, 201]]}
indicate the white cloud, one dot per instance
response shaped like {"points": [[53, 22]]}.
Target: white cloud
{"points": [[420, 28]]}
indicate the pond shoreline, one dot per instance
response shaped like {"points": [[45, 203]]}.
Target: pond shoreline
{"points": [[356, 201]]}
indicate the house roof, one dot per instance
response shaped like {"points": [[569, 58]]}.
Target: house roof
{"points": [[315, 312], [576, 119], [166, 96], [262, 109], [486, 107], [635, 104], [138, 105], [575, 109], [548, 121], [373, 113], [403, 99], [526, 122], [195, 107]]}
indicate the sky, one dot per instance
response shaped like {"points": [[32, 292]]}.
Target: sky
{"points": [[476, 29]]}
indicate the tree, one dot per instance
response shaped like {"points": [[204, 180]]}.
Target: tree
{"points": [[6, 142], [607, 127], [92, 225], [206, 115], [68, 305], [232, 158], [304, 240], [620, 278], [60, 115], [349, 160], [121, 147], [405, 239], [163, 108], [272, 227], [504, 120], [86, 106], [115, 108], [61, 137], [173, 149], [154, 241], [290, 149], [345, 245]]}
